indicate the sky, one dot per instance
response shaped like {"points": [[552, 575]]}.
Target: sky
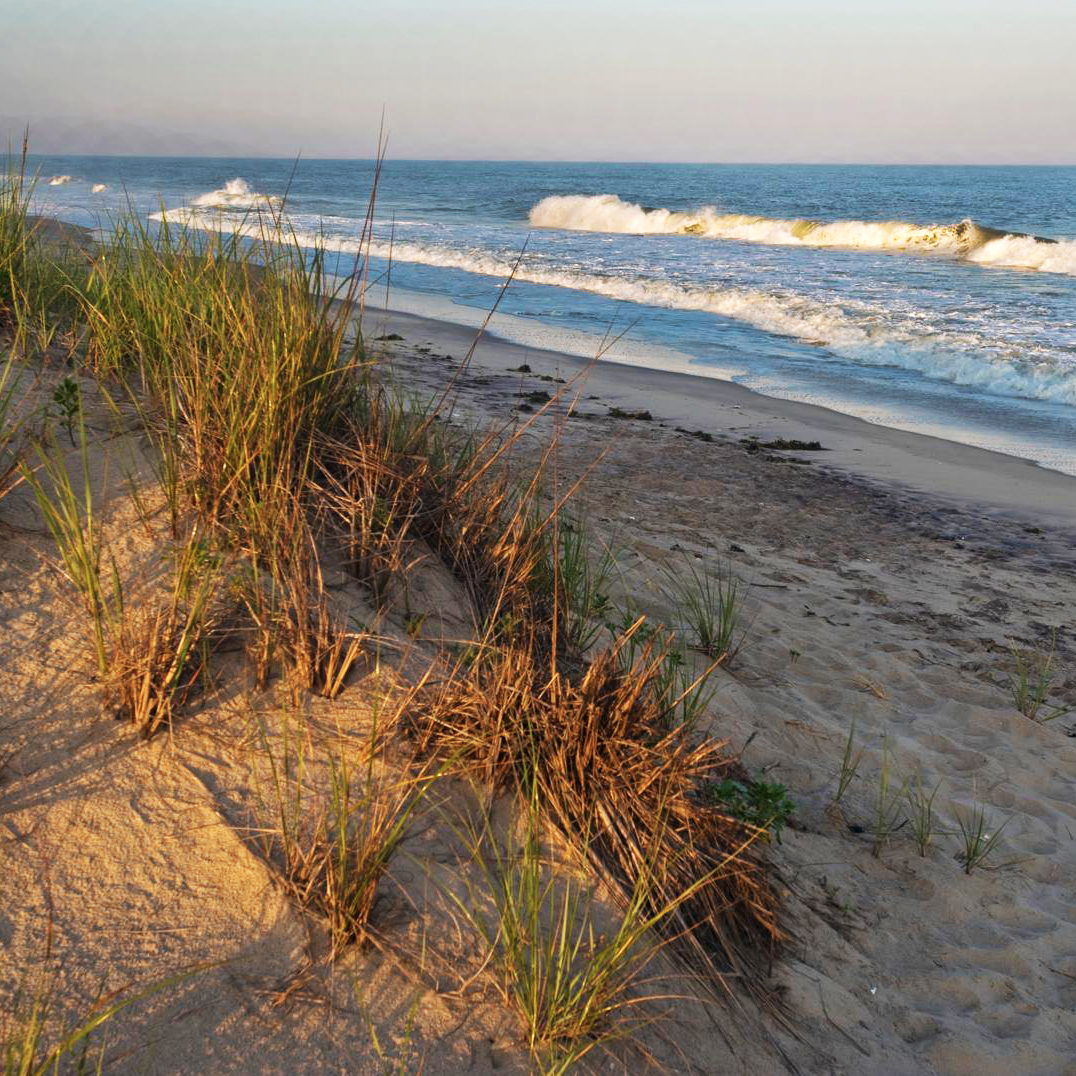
{"points": [[947, 81]]}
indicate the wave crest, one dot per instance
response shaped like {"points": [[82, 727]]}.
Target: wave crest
{"points": [[965, 239], [235, 194]]}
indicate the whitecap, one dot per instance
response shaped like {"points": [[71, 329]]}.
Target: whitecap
{"points": [[965, 239]]}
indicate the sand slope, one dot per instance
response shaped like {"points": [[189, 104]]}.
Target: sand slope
{"points": [[122, 862]]}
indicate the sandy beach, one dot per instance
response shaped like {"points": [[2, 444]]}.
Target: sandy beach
{"points": [[886, 578]]}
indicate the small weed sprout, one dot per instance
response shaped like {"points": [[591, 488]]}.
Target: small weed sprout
{"points": [[1030, 681], [764, 804], [978, 837], [67, 399], [920, 814], [710, 607], [887, 807], [849, 764]]}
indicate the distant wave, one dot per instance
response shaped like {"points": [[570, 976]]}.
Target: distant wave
{"points": [[858, 332], [965, 239], [235, 194], [98, 187], [59, 181]]}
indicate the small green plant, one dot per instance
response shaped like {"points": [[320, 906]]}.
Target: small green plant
{"points": [[32, 1043], [710, 607], [570, 982], [849, 764], [333, 841], [401, 1060], [1031, 679], [577, 580], [978, 837], [887, 807], [71, 519], [761, 803], [67, 399], [689, 694], [920, 815]]}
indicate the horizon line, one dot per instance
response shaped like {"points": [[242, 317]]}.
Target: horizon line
{"points": [[565, 160]]}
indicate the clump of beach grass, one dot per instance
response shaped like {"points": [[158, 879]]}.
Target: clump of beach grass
{"points": [[151, 636], [1030, 681], [39, 281], [577, 982], [331, 825], [710, 606], [922, 820], [978, 837], [607, 765]]}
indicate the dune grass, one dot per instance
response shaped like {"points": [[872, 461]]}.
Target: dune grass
{"points": [[329, 824], [711, 606], [39, 277], [1032, 678], [575, 980], [151, 627], [31, 1046], [606, 765], [34, 1042], [276, 441]]}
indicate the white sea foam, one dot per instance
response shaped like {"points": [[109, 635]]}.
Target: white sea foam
{"points": [[98, 187], [859, 332], [1026, 252], [987, 246], [59, 181], [235, 194]]}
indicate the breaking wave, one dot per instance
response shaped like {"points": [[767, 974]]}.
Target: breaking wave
{"points": [[98, 187], [859, 332], [235, 194], [59, 181], [965, 239]]}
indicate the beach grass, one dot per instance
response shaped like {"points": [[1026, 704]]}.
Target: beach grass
{"points": [[710, 606], [1031, 680], [332, 816], [276, 440], [575, 979]]}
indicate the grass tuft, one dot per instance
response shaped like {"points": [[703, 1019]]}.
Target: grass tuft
{"points": [[1031, 679], [711, 608]]}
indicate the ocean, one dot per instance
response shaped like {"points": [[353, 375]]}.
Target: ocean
{"points": [[935, 299]]}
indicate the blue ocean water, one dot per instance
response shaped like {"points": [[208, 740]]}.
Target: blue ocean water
{"points": [[937, 299]]}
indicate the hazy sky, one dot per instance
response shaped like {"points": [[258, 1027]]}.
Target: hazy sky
{"points": [[991, 81]]}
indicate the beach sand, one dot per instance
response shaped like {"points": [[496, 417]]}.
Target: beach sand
{"points": [[886, 578]]}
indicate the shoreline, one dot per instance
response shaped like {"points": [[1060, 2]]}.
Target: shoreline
{"points": [[930, 467]]}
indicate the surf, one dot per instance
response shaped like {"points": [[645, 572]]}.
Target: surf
{"points": [[964, 239], [867, 334]]}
